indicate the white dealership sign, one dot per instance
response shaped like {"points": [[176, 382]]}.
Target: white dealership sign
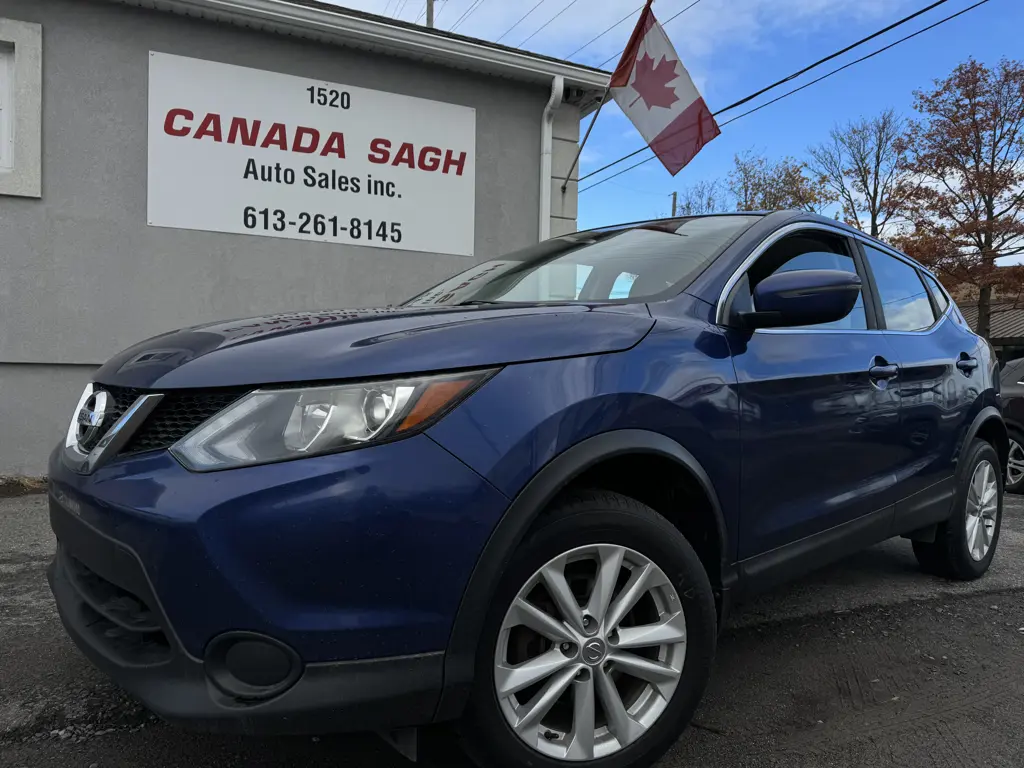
{"points": [[241, 150]]}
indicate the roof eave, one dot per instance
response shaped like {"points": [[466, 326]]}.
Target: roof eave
{"points": [[584, 84]]}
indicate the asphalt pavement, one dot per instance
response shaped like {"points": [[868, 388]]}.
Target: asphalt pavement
{"points": [[866, 663]]}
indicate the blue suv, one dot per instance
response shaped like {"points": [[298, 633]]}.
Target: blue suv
{"points": [[523, 501]]}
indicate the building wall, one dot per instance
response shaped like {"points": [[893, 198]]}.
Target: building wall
{"points": [[83, 276]]}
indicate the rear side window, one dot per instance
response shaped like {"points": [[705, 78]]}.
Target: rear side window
{"points": [[937, 293], [905, 302]]}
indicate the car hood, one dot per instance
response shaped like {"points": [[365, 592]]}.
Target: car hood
{"points": [[349, 344]]}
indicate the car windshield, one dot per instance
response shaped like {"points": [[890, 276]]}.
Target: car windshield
{"points": [[632, 263]]}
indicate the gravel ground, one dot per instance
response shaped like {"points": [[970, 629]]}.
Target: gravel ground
{"points": [[868, 662]]}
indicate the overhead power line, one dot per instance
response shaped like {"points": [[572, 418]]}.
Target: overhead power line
{"points": [[521, 20], [545, 24], [666, 21], [466, 14], [746, 99], [437, 13], [624, 19], [400, 8]]}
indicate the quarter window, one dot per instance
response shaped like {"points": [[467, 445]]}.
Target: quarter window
{"points": [[904, 297], [937, 293]]}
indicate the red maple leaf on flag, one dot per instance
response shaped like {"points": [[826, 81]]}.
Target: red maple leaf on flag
{"points": [[651, 82]]}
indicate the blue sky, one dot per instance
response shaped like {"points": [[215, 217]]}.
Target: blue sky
{"points": [[732, 48]]}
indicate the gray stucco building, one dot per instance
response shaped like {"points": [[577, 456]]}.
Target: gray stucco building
{"points": [[131, 133]]}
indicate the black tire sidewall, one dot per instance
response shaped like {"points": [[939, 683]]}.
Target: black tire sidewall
{"points": [[610, 520], [959, 555]]}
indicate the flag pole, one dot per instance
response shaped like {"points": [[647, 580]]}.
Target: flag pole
{"points": [[604, 97], [575, 161]]}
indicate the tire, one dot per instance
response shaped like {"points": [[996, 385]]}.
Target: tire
{"points": [[950, 555], [591, 528], [1015, 470]]}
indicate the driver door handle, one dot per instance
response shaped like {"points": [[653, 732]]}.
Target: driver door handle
{"points": [[967, 364], [884, 371]]}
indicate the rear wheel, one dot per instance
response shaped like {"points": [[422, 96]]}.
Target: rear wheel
{"points": [[598, 645], [966, 543]]}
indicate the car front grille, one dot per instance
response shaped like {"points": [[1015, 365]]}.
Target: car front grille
{"points": [[177, 414]]}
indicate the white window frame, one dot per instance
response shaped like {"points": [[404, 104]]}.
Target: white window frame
{"points": [[21, 108], [6, 109]]}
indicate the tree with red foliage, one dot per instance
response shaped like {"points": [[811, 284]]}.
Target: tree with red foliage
{"points": [[967, 153]]}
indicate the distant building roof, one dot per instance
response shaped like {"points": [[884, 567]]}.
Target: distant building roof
{"points": [[314, 20], [1006, 321]]}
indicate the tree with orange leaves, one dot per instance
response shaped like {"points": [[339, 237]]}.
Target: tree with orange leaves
{"points": [[967, 154]]}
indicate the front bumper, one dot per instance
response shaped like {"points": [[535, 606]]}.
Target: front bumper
{"points": [[159, 570]]}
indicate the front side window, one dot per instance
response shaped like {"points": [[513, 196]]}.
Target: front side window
{"points": [[622, 263], [904, 297], [811, 250]]}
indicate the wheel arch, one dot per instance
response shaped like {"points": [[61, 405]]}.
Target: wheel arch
{"points": [[528, 506], [990, 426]]}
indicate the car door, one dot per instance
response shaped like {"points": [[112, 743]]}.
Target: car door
{"points": [[820, 417], [938, 383]]}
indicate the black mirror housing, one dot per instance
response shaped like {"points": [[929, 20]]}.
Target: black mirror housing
{"points": [[802, 297]]}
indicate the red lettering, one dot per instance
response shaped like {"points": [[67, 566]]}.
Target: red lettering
{"points": [[450, 162], [380, 151], [173, 115], [430, 159], [249, 133], [335, 145], [405, 156], [276, 137], [210, 127], [306, 133]]}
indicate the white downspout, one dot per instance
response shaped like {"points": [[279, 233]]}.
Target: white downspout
{"points": [[546, 139]]}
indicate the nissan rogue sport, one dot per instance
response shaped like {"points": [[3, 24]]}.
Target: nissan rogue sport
{"points": [[521, 502]]}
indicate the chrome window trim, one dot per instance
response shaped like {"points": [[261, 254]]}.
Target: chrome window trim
{"points": [[925, 332], [113, 441], [799, 226]]}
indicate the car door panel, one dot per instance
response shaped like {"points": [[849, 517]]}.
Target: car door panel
{"points": [[820, 436], [819, 409], [937, 386]]}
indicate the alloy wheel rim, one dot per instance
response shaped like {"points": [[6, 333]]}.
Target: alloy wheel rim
{"points": [[1015, 465], [590, 652], [982, 510]]}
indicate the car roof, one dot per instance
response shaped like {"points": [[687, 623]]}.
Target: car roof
{"points": [[783, 217]]}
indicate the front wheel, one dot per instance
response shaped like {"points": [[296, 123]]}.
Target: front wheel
{"points": [[598, 645], [966, 543]]}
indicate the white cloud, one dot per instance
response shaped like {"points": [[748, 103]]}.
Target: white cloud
{"points": [[704, 35]]}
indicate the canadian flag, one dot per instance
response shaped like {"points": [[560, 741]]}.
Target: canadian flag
{"points": [[653, 88]]}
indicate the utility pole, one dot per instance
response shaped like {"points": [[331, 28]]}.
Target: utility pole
{"points": [[675, 197], [430, 14]]}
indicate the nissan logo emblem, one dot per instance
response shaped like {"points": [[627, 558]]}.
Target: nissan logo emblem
{"points": [[91, 420], [593, 651]]}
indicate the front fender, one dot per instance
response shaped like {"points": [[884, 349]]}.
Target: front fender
{"points": [[460, 657]]}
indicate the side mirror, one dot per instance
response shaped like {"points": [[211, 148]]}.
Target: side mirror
{"points": [[802, 297]]}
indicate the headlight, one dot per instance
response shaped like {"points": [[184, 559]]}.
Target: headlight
{"points": [[277, 424]]}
